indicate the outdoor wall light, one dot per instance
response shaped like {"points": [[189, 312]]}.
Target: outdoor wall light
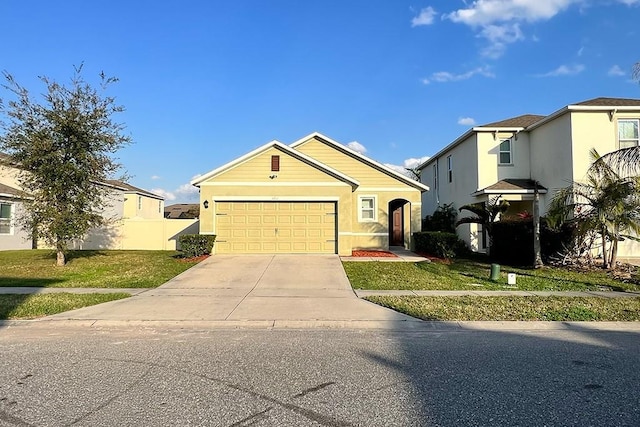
{"points": [[206, 204]]}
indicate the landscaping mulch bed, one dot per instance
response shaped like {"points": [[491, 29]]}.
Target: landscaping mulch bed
{"points": [[382, 254], [194, 259]]}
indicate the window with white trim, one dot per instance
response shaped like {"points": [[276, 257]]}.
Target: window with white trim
{"points": [[367, 208], [450, 168], [505, 152], [628, 135], [6, 209], [435, 176]]}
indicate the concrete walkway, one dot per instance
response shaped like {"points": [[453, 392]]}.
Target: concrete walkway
{"points": [[247, 291]]}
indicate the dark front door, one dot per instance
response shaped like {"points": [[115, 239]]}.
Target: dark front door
{"points": [[397, 235]]}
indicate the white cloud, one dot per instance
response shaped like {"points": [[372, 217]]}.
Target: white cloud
{"points": [[168, 195], [410, 163], [155, 177], [425, 17], [445, 76], [487, 12], [185, 192], [564, 70], [630, 2], [581, 51], [357, 147], [616, 71], [498, 21], [466, 121]]}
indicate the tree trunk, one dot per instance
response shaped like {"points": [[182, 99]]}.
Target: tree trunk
{"points": [[537, 256], [605, 256], [613, 259], [60, 258]]}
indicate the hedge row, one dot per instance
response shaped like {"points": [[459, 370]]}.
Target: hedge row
{"points": [[440, 244], [194, 245]]}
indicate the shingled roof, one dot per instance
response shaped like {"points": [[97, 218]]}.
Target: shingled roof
{"points": [[5, 189], [516, 122], [610, 102], [512, 185], [130, 188]]}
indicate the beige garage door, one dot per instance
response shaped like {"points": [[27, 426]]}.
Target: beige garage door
{"points": [[275, 227]]}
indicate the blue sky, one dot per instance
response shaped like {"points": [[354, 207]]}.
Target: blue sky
{"points": [[204, 82]]}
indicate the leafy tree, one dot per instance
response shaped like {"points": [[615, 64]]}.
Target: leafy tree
{"points": [[607, 203], [442, 219], [63, 146], [485, 214]]}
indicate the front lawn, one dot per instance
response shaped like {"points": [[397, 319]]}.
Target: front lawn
{"points": [[505, 308], [90, 269], [464, 274], [32, 306]]}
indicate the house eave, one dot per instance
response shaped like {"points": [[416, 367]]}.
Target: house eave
{"points": [[497, 192]]}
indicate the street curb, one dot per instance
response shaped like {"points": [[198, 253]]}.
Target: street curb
{"points": [[392, 325]]}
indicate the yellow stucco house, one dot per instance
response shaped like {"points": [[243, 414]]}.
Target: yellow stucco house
{"points": [[313, 196]]}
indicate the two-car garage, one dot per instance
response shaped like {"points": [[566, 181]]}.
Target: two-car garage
{"points": [[275, 227]]}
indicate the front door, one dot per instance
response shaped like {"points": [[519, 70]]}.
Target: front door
{"points": [[397, 235]]}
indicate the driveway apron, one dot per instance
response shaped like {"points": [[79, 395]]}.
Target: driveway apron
{"points": [[290, 290]]}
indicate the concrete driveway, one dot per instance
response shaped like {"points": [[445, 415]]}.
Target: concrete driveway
{"points": [[249, 291]]}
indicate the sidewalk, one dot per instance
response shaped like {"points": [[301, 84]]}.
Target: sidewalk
{"points": [[601, 294]]}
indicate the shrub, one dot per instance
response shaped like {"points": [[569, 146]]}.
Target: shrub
{"points": [[513, 241], [440, 244], [443, 219], [194, 245]]}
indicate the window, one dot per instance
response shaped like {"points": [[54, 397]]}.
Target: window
{"points": [[435, 176], [367, 209], [450, 168], [139, 202], [159, 206], [505, 152], [628, 133], [275, 163], [5, 218]]}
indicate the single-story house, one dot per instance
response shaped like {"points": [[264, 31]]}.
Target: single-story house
{"points": [[313, 196]]}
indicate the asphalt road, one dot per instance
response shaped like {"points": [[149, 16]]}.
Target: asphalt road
{"points": [[85, 377]]}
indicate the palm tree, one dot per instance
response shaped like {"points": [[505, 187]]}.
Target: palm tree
{"points": [[608, 203], [485, 214]]}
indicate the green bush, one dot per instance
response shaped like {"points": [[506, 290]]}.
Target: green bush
{"points": [[443, 219], [513, 241], [440, 244], [194, 245]]}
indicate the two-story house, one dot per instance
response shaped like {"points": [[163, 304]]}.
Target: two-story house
{"points": [[512, 158]]}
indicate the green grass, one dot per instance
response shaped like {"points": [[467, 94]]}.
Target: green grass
{"points": [[32, 306], [467, 275], [513, 308], [90, 269]]}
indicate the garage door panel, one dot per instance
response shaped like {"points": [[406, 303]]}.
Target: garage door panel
{"points": [[275, 227]]}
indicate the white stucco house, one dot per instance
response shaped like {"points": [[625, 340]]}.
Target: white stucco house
{"points": [[511, 157]]}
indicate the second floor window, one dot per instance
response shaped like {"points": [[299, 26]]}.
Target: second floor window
{"points": [[435, 176], [628, 133], [139, 202], [450, 168], [505, 152]]}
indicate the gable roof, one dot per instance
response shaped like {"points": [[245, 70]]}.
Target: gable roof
{"points": [[8, 191], [611, 102], [512, 186], [128, 188], [364, 159], [292, 152], [522, 121]]}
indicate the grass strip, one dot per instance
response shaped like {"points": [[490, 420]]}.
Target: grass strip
{"points": [[464, 274], [513, 308], [90, 269], [13, 307]]}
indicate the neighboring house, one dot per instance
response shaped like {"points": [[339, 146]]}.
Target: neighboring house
{"points": [[313, 196], [510, 158], [182, 211], [11, 234], [134, 218]]}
